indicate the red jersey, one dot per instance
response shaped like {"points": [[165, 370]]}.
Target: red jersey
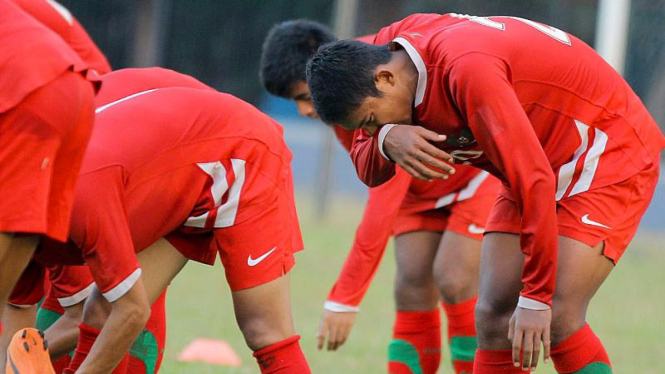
{"points": [[529, 103], [126, 82], [401, 195], [32, 55], [58, 18], [130, 192]]}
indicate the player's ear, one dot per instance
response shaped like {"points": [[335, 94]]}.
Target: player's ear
{"points": [[383, 77]]}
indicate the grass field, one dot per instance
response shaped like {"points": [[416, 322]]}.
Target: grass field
{"points": [[628, 313]]}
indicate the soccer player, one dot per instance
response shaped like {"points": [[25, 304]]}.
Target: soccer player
{"points": [[46, 116], [437, 227], [73, 284], [576, 149], [172, 185]]}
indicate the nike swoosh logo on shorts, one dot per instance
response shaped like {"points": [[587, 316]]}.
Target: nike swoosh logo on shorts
{"points": [[254, 262], [586, 220], [476, 229]]}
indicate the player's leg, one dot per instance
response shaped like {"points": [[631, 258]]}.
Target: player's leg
{"points": [[19, 310], [14, 319], [581, 271], [15, 254], [595, 227], [265, 319], [500, 283], [456, 273], [416, 344], [160, 263], [147, 352]]}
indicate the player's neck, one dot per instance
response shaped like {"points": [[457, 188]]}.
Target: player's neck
{"points": [[406, 70]]}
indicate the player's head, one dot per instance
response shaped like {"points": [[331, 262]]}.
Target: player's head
{"points": [[360, 85], [284, 57]]}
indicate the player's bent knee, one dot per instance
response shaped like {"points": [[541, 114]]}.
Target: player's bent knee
{"points": [[566, 320], [260, 333], [492, 323], [456, 288]]}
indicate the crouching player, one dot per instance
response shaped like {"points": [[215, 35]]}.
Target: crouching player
{"points": [[578, 153], [172, 185], [437, 226], [46, 115], [73, 284]]}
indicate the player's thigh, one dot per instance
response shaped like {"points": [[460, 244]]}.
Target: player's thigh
{"points": [[456, 266], [581, 270], [263, 312], [160, 263], [14, 260]]}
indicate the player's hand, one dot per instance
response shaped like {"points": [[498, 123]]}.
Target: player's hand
{"points": [[336, 326], [527, 329], [411, 148]]}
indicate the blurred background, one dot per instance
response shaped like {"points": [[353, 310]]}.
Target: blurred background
{"points": [[219, 42]]}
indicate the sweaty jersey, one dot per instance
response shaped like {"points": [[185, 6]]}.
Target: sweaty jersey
{"points": [[32, 55], [529, 103], [58, 18]]}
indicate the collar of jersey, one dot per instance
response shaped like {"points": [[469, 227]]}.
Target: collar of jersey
{"points": [[420, 65]]}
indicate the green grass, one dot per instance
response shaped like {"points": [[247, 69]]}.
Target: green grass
{"points": [[628, 313]]}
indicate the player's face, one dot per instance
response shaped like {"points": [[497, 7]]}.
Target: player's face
{"points": [[303, 99], [393, 106]]}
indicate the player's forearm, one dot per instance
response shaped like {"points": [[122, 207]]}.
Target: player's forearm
{"points": [[63, 334], [120, 330]]}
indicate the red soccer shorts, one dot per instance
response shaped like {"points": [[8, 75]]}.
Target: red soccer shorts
{"points": [[608, 214], [259, 246], [465, 216], [42, 142]]}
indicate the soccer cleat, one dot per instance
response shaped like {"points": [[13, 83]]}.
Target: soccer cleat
{"points": [[28, 353]]}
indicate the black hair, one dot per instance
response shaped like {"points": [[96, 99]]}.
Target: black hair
{"points": [[341, 76], [286, 50]]}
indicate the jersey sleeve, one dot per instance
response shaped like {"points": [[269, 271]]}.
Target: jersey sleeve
{"points": [[58, 18], [370, 243], [480, 86], [372, 167], [344, 136], [100, 228]]}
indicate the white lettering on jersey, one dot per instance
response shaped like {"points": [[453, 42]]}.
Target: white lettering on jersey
{"points": [[550, 31]]}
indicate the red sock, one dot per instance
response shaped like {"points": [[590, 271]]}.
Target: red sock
{"points": [[416, 343], [87, 337], [495, 362], [147, 351], [462, 334], [581, 353], [283, 357]]}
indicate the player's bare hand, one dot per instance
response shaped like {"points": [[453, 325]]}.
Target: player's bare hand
{"points": [[336, 326], [411, 148], [528, 328]]}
